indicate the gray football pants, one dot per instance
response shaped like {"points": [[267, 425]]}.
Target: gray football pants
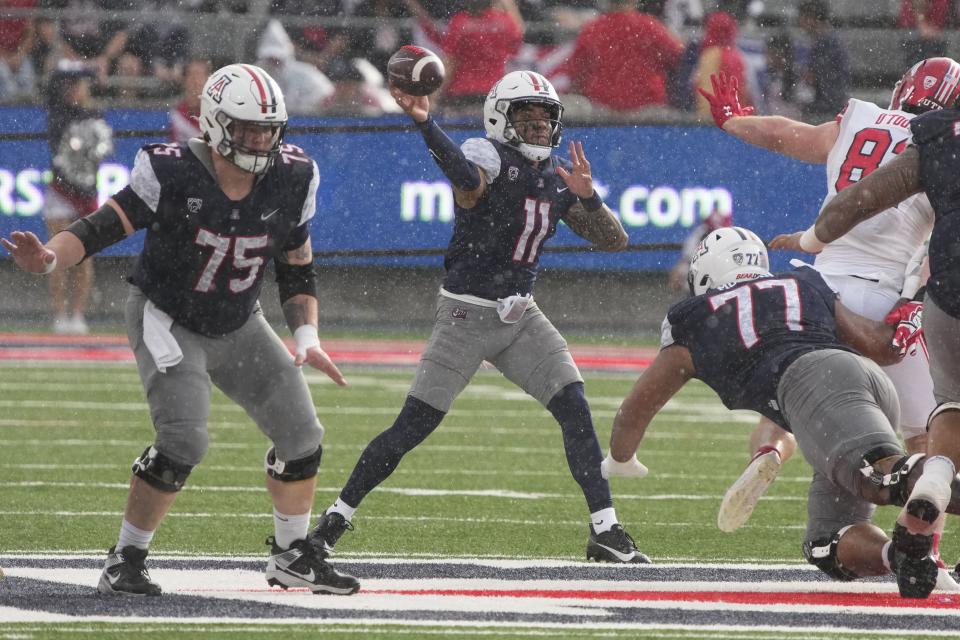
{"points": [[250, 365], [530, 353], [840, 406], [942, 333]]}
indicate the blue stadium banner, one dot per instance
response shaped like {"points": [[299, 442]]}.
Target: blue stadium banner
{"points": [[380, 190]]}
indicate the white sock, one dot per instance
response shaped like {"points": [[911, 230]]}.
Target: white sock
{"points": [[341, 507], [286, 528], [131, 536], [940, 468], [603, 520], [885, 555]]}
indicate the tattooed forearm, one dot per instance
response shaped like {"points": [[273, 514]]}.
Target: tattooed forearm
{"points": [[300, 310], [601, 227], [301, 255], [882, 189]]}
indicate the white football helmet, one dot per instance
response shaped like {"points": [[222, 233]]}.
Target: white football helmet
{"points": [[515, 89], [727, 255], [242, 93]]}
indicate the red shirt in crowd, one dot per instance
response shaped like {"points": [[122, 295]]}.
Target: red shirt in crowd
{"points": [[936, 14], [12, 29], [184, 122], [480, 47], [621, 59]]}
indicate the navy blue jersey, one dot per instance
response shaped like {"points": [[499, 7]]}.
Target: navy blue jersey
{"points": [[742, 337], [496, 245], [936, 135], [204, 254]]}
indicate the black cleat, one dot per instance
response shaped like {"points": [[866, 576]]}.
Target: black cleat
{"points": [[304, 565], [910, 560], [125, 574], [329, 528], [614, 545]]}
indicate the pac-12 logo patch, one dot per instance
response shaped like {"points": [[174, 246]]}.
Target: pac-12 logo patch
{"points": [[194, 204], [513, 173], [459, 313], [216, 89]]}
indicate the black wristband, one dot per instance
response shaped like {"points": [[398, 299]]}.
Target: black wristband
{"points": [[593, 203], [98, 230]]}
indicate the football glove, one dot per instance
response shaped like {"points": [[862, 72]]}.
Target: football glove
{"points": [[724, 101], [632, 468], [908, 335]]}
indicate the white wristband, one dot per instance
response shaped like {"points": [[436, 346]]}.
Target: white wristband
{"points": [[306, 337], [810, 243], [632, 468], [48, 267]]}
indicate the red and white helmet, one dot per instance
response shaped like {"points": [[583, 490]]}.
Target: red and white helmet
{"points": [[242, 93], [725, 256], [929, 85], [515, 89]]}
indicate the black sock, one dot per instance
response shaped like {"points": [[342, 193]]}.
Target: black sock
{"points": [[416, 421], [569, 406]]}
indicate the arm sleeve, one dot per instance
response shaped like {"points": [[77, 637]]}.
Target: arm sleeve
{"points": [[666, 333], [141, 197], [482, 153]]}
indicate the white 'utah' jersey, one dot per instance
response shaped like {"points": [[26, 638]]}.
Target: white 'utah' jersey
{"points": [[880, 247]]}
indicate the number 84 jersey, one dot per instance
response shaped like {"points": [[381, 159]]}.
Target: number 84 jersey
{"points": [[743, 337], [880, 247]]}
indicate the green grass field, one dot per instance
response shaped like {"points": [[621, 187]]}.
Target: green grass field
{"points": [[491, 482]]}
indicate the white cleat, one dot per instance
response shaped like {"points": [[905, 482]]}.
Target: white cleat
{"points": [[945, 581], [743, 495]]}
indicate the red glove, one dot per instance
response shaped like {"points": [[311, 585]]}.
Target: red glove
{"points": [[909, 332], [724, 101]]}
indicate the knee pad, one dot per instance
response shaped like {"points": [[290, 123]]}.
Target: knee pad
{"points": [[294, 470], [897, 480], [160, 472], [941, 408], [822, 553]]}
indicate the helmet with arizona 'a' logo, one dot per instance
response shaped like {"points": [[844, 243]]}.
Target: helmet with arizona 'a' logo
{"points": [[727, 255], [237, 95], [929, 85], [514, 90]]}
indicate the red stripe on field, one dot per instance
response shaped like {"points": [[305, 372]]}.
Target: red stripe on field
{"points": [[113, 348], [93, 355], [938, 601]]}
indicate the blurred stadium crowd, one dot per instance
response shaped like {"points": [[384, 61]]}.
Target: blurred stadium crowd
{"points": [[612, 59]]}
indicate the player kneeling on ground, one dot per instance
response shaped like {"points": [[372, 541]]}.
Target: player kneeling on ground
{"points": [[777, 344], [215, 211]]}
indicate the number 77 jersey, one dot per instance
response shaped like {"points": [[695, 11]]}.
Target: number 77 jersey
{"points": [[881, 247], [742, 337]]}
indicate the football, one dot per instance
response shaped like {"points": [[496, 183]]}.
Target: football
{"points": [[415, 70]]}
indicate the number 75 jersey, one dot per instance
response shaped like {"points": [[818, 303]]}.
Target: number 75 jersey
{"points": [[204, 254], [880, 247], [743, 337]]}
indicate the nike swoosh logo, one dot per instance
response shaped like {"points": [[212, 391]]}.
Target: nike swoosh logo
{"points": [[309, 577], [598, 523], [624, 557], [112, 579], [561, 189], [264, 216]]}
